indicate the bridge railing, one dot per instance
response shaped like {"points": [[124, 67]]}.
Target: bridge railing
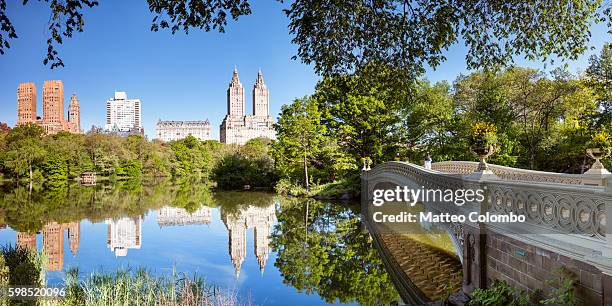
{"points": [[560, 213], [508, 173]]}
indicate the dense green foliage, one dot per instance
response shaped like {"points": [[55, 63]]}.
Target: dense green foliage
{"points": [[542, 122], [562, 287], [340, 36], [26, 153], [250, 165]]}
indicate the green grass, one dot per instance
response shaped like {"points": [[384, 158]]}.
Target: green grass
{"points": [[21, 267], [346, 188], [141, 287]]}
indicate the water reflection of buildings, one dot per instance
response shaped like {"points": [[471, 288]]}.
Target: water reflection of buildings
{"points": [[261, 220], [168, 216], [123, 234], [53, 242]]}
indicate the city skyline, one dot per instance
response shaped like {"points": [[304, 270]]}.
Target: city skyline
{"points": [[183, 69]]}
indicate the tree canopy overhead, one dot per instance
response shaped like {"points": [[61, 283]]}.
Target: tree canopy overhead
{"points": [[341, 36]]}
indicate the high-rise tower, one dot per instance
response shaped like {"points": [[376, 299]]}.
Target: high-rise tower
{"points": [[123, 114], [53, 101], [260, 97], [74, 113], [235, 97], [26, 103], [53, 107]]}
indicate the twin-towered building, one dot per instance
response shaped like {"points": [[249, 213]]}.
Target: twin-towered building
{"points": [[238, 128], [53, 119]]}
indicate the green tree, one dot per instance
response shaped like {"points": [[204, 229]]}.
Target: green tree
{"points": [[538, 104], [361, 112], [54, 167], [24, 149], [426, 122], [300, 135], [599, 77]]}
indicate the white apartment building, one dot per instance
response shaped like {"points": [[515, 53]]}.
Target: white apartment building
{"points": [[175, 130], [123, 114]]}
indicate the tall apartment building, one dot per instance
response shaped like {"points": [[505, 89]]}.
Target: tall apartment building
{"points": [[53, 108], [174, 130], [26, 103], [238, 128], [123, 115], [74, 113]]}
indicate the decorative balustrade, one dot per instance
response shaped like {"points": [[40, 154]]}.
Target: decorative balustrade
{"points": [[508, 173], [561, 206]]}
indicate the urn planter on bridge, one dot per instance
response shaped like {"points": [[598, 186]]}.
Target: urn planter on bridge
{"points": [[598, 174], [598, 154], [483, 143], [483, 153]]}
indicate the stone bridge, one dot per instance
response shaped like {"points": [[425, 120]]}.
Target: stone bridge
{"points": [[565, 226]]}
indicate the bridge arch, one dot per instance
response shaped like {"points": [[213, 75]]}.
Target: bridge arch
{"points": [[565, 223]]}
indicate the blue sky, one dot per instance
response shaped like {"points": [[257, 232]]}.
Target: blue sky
{"points": [[177, 77]]}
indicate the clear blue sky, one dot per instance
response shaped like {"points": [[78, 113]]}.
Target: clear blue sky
{"points": [[177, 77]]}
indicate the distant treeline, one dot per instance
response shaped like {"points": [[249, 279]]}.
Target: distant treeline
{"points": [[26, 153]]}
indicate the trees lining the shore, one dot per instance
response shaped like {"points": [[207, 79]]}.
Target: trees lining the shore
{"points": [[26, 153]]}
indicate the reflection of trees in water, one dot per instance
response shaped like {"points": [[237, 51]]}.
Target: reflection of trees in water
{"points": [[321, 249], [28, 210], [232, 201]]}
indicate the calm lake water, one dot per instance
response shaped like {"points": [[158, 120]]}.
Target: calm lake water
{"points": [[271, 250]]}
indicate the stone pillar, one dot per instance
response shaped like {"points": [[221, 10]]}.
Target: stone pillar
{"points": [[606, 289], [598, 175], [474, 258]]}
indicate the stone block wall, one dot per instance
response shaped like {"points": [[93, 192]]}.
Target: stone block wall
{"points": [[528, 268]]}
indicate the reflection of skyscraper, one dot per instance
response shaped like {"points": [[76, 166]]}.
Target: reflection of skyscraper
{"points": [[74, 237], [237, 241], [259, 218], [26, 240], [179, 216], [53, 246], [124, 234]]}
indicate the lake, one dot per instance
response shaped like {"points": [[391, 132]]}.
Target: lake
{"points": [[271, 250]]}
